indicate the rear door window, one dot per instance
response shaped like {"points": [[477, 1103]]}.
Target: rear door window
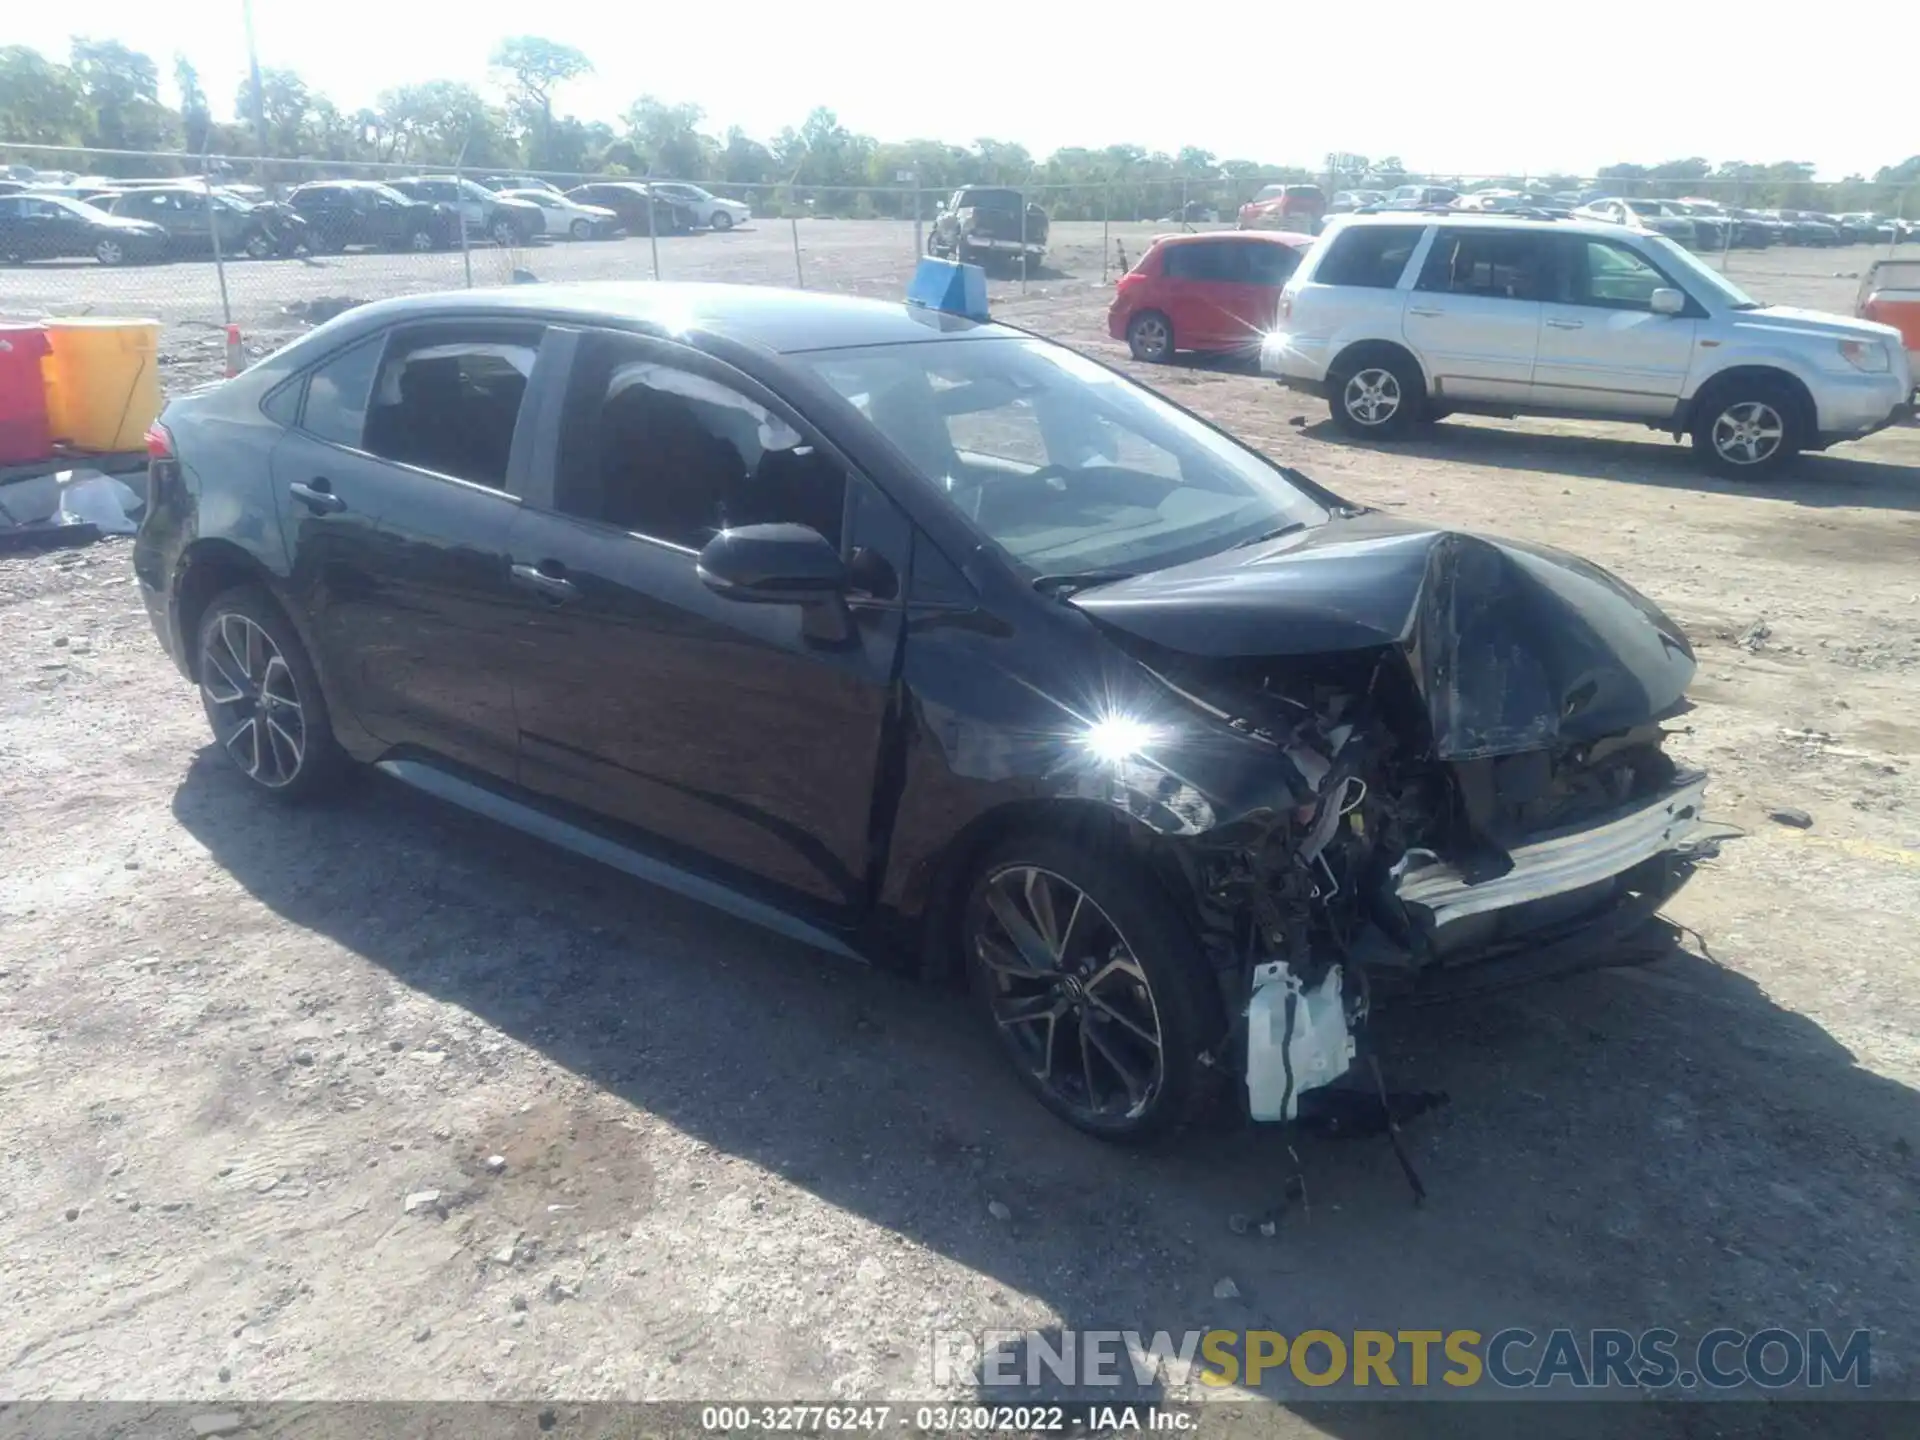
{"points": [[1497, 264], [1269, 264], [1215, 261], [450, 405], [1369, 256]]}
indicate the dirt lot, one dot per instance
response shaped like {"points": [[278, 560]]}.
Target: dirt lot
{"points": [[235, 1039]]}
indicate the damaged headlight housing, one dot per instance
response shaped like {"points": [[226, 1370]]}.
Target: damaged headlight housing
{"points": [[1868, 355]]}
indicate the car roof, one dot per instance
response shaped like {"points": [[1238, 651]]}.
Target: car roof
{"points": [[1484, 219], [764, 316], [1215, 237]]}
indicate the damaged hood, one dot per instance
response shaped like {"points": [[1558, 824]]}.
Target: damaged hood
{"points": [[1512, 646]]}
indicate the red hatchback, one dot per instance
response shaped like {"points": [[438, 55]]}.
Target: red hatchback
{"points": [[1216, 291]]}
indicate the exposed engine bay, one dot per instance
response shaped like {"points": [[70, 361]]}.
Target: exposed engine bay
{"points": [[1396, 874]]}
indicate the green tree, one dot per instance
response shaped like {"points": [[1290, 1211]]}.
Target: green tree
{"points": [[539, 67], [122, 89], [667, 137], [41, 102], [286, 104]]}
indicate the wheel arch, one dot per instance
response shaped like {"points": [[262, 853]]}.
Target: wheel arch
{"points": [[1092, 823], [1709, 389], [209, 568], [1358, 352]]}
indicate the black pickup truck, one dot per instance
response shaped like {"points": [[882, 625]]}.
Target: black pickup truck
{"points": [[982, 223]]}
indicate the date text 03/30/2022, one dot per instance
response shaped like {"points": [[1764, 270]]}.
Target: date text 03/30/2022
{"points": [[960, 1419]]}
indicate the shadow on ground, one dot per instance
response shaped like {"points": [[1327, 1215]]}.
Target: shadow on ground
{"points": [[1652, 1147], [1830, 478]]}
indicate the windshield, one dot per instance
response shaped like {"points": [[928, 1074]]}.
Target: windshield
{"points": [[1067, 466], [1700, 274], [1644, 207]]}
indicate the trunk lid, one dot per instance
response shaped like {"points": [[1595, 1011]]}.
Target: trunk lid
{"points": [[1513, 647]]}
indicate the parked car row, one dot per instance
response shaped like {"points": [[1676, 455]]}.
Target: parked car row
{"points": [[1402, 318], [143, 221]]}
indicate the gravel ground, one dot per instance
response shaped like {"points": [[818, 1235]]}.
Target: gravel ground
{"points": [[234, 1039]]}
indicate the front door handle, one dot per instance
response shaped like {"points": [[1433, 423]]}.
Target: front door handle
{"points": [[1424, 310], [317, 495], [548, 578], [1567, 324]]}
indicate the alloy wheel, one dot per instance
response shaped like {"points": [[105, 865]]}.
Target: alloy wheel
{"points": [[253, 701], [1372, 396], [1151, 337], [420, 240], [1071, 1000], [108, 252], [1749, 433], [722, 220]]}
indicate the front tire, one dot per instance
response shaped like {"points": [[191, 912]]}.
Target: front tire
{"points": [[263, 699], [1749, 429], [722, 220], [1092, 984], [504, 233], [1150, 337], [110, 252], [1378, 395], [581, 230]]}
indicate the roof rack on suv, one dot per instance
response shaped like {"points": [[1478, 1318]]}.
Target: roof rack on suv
{"points": [[1518, 213]]}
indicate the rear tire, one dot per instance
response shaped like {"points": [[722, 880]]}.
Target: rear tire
{"points": [[1749, 429], [1377, 394], [1136, 1005], [1150, 337], [262, 697]]}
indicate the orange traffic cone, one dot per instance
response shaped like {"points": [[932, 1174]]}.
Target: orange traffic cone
{"points": [[236, 356]]}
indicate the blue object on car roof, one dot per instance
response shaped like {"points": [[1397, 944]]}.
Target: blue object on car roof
{"points": [[949, 287]]}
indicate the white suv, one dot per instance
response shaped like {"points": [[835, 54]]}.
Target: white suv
{"points": [[1396, 319]]}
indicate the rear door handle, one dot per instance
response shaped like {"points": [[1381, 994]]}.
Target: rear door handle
{"points": [[1424, 310], [317, 495], [1567, 324], [548, 578]]}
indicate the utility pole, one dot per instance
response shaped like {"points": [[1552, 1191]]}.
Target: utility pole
{"points": [[253, 72]]}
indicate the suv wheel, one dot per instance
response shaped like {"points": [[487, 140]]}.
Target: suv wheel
{"points": [[1379, 395], [1748, 429], [1150, 337], [1092, 984], [262, 698]]}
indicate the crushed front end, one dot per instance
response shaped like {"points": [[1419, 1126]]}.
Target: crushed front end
{"points": [[1484, 799]]}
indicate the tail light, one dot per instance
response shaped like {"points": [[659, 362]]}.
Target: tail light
{"points": [[159, 442], [1286, 304]]}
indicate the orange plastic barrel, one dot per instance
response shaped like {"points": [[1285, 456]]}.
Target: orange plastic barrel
{"points": [[23, 395], [103, 381]]}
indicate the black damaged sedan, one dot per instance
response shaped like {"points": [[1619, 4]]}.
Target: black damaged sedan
{"points": [[930, 641]]}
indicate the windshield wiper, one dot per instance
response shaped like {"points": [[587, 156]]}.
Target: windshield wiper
{"points": [[1289, 529], [1061, 586]]}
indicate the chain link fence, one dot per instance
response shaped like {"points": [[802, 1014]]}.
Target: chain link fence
{"points": [[204, 242]]}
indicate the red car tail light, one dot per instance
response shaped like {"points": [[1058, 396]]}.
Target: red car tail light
{"points": [[159, 442]]}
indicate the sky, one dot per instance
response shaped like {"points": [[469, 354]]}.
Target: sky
{"points": [[1490, 88]]}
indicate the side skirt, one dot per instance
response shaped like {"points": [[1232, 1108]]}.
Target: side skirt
{"points": [[587, 844]]}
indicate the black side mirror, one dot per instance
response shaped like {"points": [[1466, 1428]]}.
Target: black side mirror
{"points": [[773, 564]]}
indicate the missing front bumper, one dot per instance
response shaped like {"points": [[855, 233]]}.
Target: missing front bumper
{"points": [[1559, 864]]}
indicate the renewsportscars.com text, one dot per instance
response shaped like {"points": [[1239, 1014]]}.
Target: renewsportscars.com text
{"points": [[1513, 1359]]}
